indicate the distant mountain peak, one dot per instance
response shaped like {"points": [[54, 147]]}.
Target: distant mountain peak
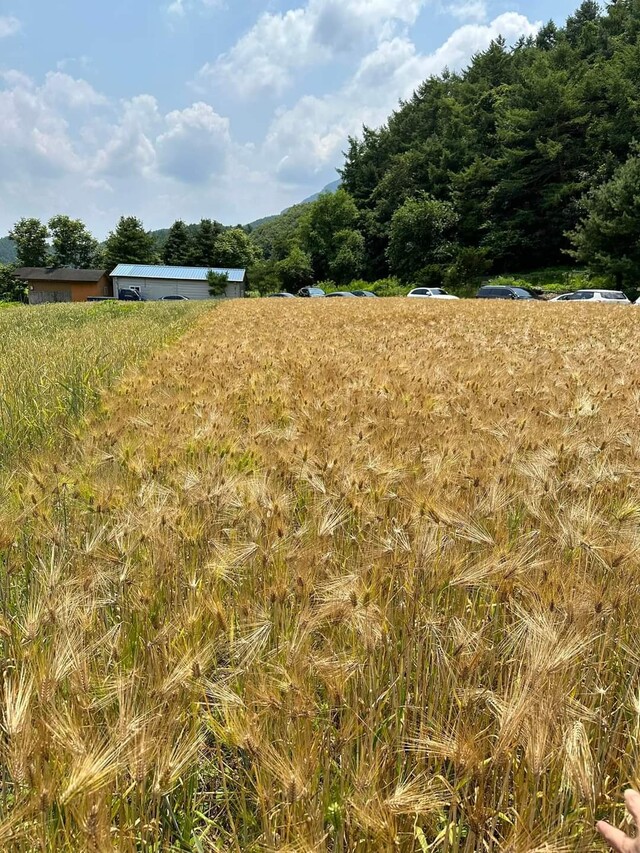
{"points": [[330, 188]]}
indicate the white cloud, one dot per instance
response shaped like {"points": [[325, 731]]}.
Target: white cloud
{"points": [[195, 145], [129, 150], [34, 131], [309, 137], [266, 57], [65, 147], [9, 26], [66, 91], [469, 10]]}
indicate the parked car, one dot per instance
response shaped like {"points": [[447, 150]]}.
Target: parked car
{"points": [[311, 292], [593, 296], [364, 293], [281, 296], [173, 297], [341, 293], [129, 295], [430, 292], [490, 291]]}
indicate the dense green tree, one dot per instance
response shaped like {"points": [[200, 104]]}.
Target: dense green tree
{"points": [[204, 243], [295, 271], [329, 227], [514, 142], [276, 235], [421, 235], [217, 283], [606, 239], [348, 260], [30, 238], [234, 249], [178, 249], [264, 277], [129, 243], [71, 243], [12, 289]]}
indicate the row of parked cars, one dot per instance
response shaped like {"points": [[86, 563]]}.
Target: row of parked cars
{"points": [[487, 291]]}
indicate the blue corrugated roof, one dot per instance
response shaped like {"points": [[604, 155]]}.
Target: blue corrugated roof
{"points": [[181, 273]]}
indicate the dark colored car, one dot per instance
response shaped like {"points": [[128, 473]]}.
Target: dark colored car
{"points": [[128, 295], [341, 293], [311, 292], [281, 296], [173, 297], [364, 293], [490, 291]]}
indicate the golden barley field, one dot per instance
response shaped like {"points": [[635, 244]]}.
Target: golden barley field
{"points": [[333, 576]]}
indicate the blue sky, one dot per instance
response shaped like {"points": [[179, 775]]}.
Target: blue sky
{"points": [[171, 109]]}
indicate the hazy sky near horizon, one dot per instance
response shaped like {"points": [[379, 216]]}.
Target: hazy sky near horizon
{"points": [[170, 109]]}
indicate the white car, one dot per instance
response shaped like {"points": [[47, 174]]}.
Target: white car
{"points": [[593, 296], [430, 293]]}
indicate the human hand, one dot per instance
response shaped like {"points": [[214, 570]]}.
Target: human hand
{"points": [[616, 839]]}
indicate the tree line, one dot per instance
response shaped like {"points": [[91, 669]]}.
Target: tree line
{"points": [[527, 159], [66, 242]]}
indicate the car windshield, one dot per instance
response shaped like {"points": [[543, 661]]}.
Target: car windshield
{"points": [[438, 291], [522, 293], [614, 294], [315, 290]]}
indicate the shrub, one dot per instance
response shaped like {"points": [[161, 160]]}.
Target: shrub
{"points": [[217, 283]]}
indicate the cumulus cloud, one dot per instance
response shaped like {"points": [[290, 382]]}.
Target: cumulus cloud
{"points": [[266, 57], [65, 147], [9, 26], [34, 130], [469, 10], [310, 136], [129, 150], [71, 93], [195, 145]]}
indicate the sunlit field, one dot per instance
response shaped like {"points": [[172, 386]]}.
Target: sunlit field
{"points": [[332, 575], [56, 359]]}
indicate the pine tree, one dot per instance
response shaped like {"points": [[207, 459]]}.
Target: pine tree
{"points": [[178, 249], [607, 237], [204, 243], [129, 243]]}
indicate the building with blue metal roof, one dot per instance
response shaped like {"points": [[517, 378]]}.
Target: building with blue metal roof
{"points": [[160, 282]]}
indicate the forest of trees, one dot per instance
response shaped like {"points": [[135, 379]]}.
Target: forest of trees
{"points": [[528, 159]]}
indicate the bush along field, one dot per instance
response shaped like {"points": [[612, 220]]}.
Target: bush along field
{"points": [[318, 579], [55, 362]]}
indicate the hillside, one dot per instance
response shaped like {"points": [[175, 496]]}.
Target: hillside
{"points": [[503, 157], [330, 188], [161, 234]]}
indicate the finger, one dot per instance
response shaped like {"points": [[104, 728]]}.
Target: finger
{"points": [[617, 840], [632, 799]]}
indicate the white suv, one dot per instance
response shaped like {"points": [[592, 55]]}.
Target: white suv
{"points": [[593, 296], [431, 292]]}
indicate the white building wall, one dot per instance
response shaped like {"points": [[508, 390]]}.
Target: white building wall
{"points": [[153, 289]]}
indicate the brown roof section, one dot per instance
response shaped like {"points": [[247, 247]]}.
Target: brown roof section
{"points": [[60, 274]]}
